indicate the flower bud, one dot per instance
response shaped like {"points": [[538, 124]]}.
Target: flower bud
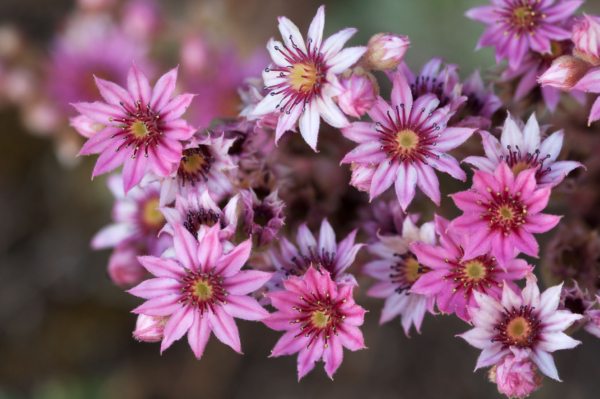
{"points": [[359, 92], [123, 267], [586, 36], [150, 328], [565, 72], [85, 126], [362, 176], [516, 376], [386, 51]]}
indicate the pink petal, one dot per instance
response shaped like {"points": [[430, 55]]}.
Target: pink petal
{"points": [[231, 263], [114, 94], [133, 171], [289, 344], [306, 241], [450, 240], [351, 337], [428, 182], [552, 145], [545, 362], [333, 355], [110, 159], [138, 86], [452, 137], [401, 94], [549, 301], [176, 107], [431, 283], [540, 223], [287, 120], [478, 337], [480, 243], [163, 90], [178, 129], [334, 43], [524, 241], [99, 141], [560, 321], [162, 306], [595, 112], [504, 176], [503, 249], [524, 183], [291, 35], [284, 301], [367, 153], [244, 307], [484, 14], [361, 132], [405, 184], [327, 238], [160, 267], [246, 281], [384, 177], [210, 250], [156, 287], [538, 200], [186, 248], [491, 356], [198, 334], [561, 11], [355, 316], [307, 357], [112, 235], [179, 323], [106, 114], [379, 113], [345, 59], [280, 321], [382, 289], [469, 201], [469, 223], [447, 164], [315, 31], [510, 299], [482, 181], [423, 107], [224, 328]]}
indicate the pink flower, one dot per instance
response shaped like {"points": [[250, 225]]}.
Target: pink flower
{"points": [[386, 51], [516, 375], [501, 213], [518, 26], [581, 302], [481, 104], [453, 281], [123, 267], [150, 328], [527, 321], [301, 76], [586, 36], [359, 92], [319, 318], [522, 149], [262, 219], [405, 142], [564, 73], [204, 160], [362, 176], [397, 270], [143, 126], [591, 83], [202, 290], [137, 220], [326, 254], [199, 209], [384, 218]]}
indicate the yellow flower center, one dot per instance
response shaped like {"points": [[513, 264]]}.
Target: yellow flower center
{"points": [[475, 270], [413, 270], [203, 290], [519, 167], [320, 319], [139, 129], [523, 16], [152, 217], [303, 77], [517, 330]]}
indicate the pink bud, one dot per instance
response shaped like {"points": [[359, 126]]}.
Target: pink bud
{"points": [[123, 267], [362, 176], [386, 51], [359, 92], [516, 376], [194, 54], [586, 36], [565, 72], [85, 126], [150, 328]]}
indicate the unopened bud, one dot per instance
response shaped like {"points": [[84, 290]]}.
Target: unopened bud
{"points": [[150, 328], [586, 36], [359, 91], [362, 176], [517, 376], [565, 72], [386, 51]]}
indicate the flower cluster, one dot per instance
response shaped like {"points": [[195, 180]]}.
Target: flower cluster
{"points": [[203, 216]]}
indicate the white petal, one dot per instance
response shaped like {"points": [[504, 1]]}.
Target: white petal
{"points": [[309, 124]]}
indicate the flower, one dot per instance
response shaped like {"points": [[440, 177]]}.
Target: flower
{"points": [[397, 270], [384, 218], [386, 51], [202, 290], [580, 302], [300, 78], [319, 318], [199, 209], [452, 280], [501, 213], [137, 219], [516, 375], [326, 254], [527, 321], [564, 72], [522, 149], [586, 36], [518, 26], [203, 163], [123, 267], [262, 219], [591, 83], [150, 328], [143, 126], [359, 90], [405, 142], [481, 103]]}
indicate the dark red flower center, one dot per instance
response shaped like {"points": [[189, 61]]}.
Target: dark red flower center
{"points": [[195, 165], [203, 291], [406, 272], [196, 219], [523, 17], [505, 212], [318, 316], [405, 140], [518, 327], [304, 76], [140, 129], [474, 274]]}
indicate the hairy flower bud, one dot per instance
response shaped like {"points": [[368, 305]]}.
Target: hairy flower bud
{"points": [[516, 375], [150, 328], [586, 36], [386, 51], [362, 176], [565, 72], [359, 92]]}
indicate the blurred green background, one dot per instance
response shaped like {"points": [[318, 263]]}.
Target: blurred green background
{"points": [[65, 329]]}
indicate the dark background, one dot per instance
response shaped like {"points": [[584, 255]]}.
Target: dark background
{"points": [[65, 329]]}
